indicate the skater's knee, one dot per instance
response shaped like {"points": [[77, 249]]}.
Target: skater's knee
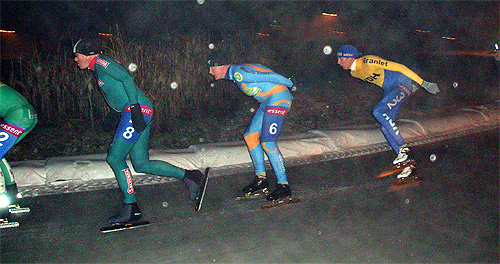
{"points": [[252, 140], [140, 167], [378, 113], [114, 161], [270, 147]]}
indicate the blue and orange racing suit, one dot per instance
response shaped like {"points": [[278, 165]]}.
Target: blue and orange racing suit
{"points": [[121, 91], [396, 80], [270, 89]]}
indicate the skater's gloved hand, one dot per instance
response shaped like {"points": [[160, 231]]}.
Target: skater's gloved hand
{"points": [[137, 118], [430, 87], [293, 87], [414, 87], [110, 121]]}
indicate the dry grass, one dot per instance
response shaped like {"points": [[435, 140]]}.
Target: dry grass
{"points": [[71, 108]]}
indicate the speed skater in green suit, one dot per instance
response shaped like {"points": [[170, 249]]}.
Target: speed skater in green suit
{"points": [[132, 134], [17, 119]]}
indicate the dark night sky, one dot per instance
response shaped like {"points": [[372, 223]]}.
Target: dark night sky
{"points": [[56, 20]]}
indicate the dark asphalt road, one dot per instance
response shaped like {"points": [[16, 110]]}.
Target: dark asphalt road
{"points": [[345, 216]]}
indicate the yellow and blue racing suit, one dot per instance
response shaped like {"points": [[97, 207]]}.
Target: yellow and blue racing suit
{"points": [[270, 89], [396, 80]]}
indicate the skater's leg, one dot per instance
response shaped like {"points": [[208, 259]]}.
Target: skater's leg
{"points": [[4, 202], [117, 153], [276, 160], [123, 141], [252, 140], [273, 122], [271, 128], [139, 155], [7, 172], [10, 184], [390, 139], [386, 112]]}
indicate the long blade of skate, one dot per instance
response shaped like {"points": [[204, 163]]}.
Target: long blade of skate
{"points": [[279, 203], [8, 224], [402, 184], [19, 210], [201, 194], [114, 228], [396, 169], [251, 196]]}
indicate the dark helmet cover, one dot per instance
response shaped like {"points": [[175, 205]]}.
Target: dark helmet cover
{"points": [[86, 47], [217, 58]]}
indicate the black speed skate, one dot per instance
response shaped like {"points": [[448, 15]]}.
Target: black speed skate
{"points": [[15, 200], [13, 195], [127, 218], [282, 195], [281, 191], [258, 187], [4, 222], [196, 183], [128, 213]]}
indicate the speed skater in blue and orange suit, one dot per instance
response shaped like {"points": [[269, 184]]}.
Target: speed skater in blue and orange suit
{"points": [[396, 81], [270, 89], [132, 134], [18, 118]]}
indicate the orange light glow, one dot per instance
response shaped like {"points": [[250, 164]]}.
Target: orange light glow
{"points": [[331, 15], [7, 31]]}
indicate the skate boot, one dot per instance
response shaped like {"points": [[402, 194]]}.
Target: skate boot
{"points": [[257, 185], [406, 172], [281, 191], [4, 213], [13, 195], [402, 155], [129, 213], [405, 180], [193, 180]]}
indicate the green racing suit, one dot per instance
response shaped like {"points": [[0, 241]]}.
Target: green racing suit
{"points": [[17, 119], [121, 92]]}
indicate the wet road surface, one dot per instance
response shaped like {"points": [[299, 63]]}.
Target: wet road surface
{"points": [[345, 216]]}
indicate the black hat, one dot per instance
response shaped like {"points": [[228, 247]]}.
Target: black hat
{"points": [[217, 58], [86, 47]]}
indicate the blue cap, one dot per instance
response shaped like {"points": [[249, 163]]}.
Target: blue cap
{"points": [[348, 51]]}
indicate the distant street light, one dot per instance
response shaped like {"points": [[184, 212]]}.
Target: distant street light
{"points": [[449, 38], [7, 31], [330, 15]]}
